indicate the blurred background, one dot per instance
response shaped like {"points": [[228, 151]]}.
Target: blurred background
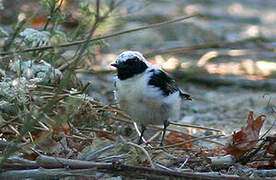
{"points": [[225, 57]]}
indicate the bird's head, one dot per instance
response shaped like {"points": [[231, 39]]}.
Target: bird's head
{"points": [[129, 64]]}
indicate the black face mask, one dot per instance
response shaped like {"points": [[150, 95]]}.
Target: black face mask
{"points": [[130, 68]]}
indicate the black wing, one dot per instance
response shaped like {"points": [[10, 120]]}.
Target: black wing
{"points": [[163, 81]]}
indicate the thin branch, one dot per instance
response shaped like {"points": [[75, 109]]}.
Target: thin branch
{"points": [[217, 45], [97, 38], [84, 46], [84, 169], [9, 42], [153, 137], [173, 130], [196, 127], [185, 142], [268, 130]]}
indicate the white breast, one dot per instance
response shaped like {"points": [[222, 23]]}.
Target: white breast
{"points": [[146, 104], [135, 89]]}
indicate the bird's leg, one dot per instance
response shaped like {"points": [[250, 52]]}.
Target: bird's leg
{"points": [[166, 124], [143, 128]]}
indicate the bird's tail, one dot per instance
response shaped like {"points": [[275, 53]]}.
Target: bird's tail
{"points": [[185, 96]]}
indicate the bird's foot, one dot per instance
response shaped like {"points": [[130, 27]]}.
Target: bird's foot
{"points": [[161, 144], [140, 141]]}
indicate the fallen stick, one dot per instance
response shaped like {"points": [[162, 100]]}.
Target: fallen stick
{"points": [[222, 161], [88, 169], [47, 173], [55, 162]]}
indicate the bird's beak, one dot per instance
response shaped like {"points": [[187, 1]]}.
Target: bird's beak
{"points": [[114, 65]]}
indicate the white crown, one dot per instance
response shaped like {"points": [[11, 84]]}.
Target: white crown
{"points": [[130, 55]]}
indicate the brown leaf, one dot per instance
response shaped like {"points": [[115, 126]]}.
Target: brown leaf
{"points": [[244, 140], [63, 127], [54, 141], [218, 151], [175, 137]]}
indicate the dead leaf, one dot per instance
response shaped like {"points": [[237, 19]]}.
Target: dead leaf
{"points": [[63, 127], [54, 141], [244, 140], [175, 138], [218, 151]]}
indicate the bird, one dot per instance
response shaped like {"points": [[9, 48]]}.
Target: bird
{"points": [[145, 92]]}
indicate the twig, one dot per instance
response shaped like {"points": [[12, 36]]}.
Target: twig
{"points": [[54, 162], [85, 87], [222, 161], [169, 129], [267, 131], [99, 37], [53, 10], [117, 169], [91, 71], [84, 46], [203, 46], [175, 130], [80, 137], [163, 167], [35, 127], [95, 154], [43, 126], [114, 158], [12, 38], [96, 130], [144, 151], [153, 137], [13, 129], [194, 126], [189, 141], [183, 164]]}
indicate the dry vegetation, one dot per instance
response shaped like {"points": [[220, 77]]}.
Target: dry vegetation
{"points": [[50, 126]]}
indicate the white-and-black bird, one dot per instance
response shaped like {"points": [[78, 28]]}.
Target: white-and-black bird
{"points": [[148, 94]]}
